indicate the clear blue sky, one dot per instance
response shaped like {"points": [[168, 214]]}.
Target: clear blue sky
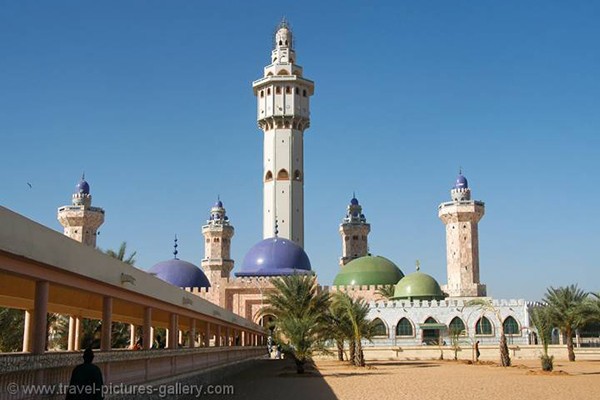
{"points": [[153, 100]]}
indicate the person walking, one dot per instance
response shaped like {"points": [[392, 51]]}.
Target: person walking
{"points": [[477, 353], [86, 380]]}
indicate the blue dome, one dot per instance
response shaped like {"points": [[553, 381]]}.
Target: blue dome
{"points": [[274, 257], [354, 201], [461, 182], [219, 204], [180, 273], [82, 187]]}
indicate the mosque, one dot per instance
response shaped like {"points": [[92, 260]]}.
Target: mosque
{"points": [[420, 312]]}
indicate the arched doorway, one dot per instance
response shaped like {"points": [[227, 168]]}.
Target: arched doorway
{"points": [[431, 331], [268, 321]]}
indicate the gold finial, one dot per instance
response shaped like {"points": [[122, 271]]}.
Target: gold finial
{"points": [[418, 265]]}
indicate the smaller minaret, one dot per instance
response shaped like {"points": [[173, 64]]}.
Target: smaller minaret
{"points": [[80, 220], [355, 231], [461, 217], [217, 262]]}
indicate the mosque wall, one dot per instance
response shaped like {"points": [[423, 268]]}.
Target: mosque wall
{"points": [[444, 312]]}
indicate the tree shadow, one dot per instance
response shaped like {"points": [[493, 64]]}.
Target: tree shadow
{"points": [[266, 379]]}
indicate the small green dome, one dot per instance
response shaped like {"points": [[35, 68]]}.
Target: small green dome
{"points": [[368, 270], [418, 286]]}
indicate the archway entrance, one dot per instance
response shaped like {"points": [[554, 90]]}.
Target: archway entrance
{"points": [[268, 321], [431, 332]]}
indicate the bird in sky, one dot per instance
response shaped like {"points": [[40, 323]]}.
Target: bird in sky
{"points": [[29, 184]]}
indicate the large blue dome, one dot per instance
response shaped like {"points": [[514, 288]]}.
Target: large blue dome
{"points": [[180, 273], [274, 257]]}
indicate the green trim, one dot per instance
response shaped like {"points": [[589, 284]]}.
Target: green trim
{"points": [[431, 325]]}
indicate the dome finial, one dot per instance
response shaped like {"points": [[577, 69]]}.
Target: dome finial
{"points": [[175, 252], [83, 176], [276, 232], [284, 23], [418, 265]]}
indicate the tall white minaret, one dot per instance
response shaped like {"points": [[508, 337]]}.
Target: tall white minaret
{"points": [[461, 216], [283, 115]]}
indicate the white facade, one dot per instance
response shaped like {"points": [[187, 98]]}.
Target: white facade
{"points": [[416, 313], [283, 114]]}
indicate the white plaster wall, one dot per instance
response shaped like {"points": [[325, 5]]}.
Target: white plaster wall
{"points": [[444, 311]]}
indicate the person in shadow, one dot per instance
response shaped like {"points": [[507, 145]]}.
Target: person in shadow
{"points": [[86, 380]]}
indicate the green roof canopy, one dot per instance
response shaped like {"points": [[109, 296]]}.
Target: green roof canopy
{"points": [[368, 270]]}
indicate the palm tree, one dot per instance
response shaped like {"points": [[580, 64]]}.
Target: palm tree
{"points": [[355, 311], [568, 310], [11, 326], [594, 305], [300, 310], [486, 305], [340, 329], [540, 318], [386, 291], [120, 254]]}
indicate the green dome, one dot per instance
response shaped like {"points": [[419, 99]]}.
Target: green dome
{"points": [[368, 270], [418, 286]]}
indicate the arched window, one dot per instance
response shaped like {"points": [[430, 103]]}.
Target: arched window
{"points": [[262, 93], [378, 327], [283, 72], [277, 89], [404, 328], [288, 90], [283, 175], [431, 320], [511, 326], [483, 326], [281, 42], [269, 176], [304, 93], [457, 326], [297, 175]]}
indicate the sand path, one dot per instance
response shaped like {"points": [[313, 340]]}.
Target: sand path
{"points": [[275, 379]]}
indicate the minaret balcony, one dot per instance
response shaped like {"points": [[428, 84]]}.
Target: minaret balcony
{"points": [[257, 84]]}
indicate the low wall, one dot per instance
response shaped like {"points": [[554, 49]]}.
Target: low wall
{"points": [[488, 353], [20, 371]]}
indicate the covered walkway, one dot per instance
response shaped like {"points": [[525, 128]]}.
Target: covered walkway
{"points": [[43, 271]]}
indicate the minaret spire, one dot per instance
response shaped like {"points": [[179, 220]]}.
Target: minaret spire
{"points": [[283, 97], [80, 220], [461, 217], [354, 230], [217, 231]]}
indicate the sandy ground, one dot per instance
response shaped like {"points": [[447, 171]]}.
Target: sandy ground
{"points": [[416, 380]]}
